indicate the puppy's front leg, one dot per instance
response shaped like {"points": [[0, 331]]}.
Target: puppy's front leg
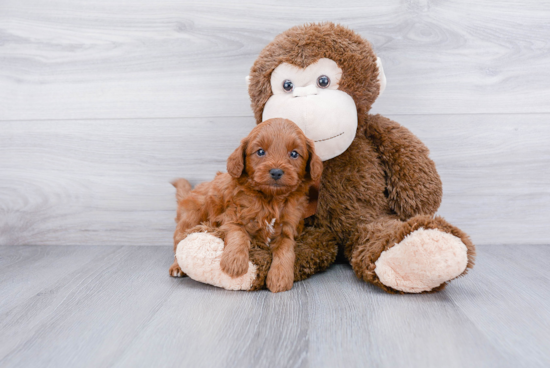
{"points": [[235, 255], [280, 276], [175, 270]]}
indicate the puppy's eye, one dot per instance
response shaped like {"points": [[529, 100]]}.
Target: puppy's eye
{"points": [[294, 154], [260, 152], [288, 86], [323, 81]]}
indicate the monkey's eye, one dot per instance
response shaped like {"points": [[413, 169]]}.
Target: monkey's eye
{"points": [[260, 152], [288, 86], [323, 81], [294, 154]]}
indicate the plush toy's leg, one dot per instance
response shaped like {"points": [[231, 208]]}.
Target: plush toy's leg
{"points": [[420, 255], [199, 256], [316, 250]]}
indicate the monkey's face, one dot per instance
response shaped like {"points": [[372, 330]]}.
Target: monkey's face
{"points": [[310, 97], [322, 76]]}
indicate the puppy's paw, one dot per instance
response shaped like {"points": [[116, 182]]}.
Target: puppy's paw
{"points": [[175, 270], [279, 279], [234, 264]]}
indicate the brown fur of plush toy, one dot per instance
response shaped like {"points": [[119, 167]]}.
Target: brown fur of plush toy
{"points": [[381, 189]]}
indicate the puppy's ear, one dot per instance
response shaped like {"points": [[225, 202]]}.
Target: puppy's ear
{"points": [[235, 162], [314, 163]]}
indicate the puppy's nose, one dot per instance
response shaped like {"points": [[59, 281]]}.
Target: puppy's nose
{"points": [[276, 173]]}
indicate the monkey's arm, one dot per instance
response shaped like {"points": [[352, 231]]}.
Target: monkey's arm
{"points": [[412, 182], [316, 249]]}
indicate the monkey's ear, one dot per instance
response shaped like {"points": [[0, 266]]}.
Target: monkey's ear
{"points": [[314, 163], [381, 75], [247, 78], [235, 162]]}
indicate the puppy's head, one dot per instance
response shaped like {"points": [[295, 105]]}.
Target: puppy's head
{"points": [[276, 158]]}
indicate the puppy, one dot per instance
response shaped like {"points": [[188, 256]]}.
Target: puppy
{"points": [[262, 197]]}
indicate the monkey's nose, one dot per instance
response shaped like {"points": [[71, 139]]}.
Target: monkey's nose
{"points": [[276, 173], [305, 91]]}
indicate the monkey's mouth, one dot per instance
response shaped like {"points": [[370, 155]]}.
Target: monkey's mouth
{"points": [[327, 139]]}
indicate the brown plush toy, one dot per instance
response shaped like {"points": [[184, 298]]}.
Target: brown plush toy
{"points": [[379, 190]]}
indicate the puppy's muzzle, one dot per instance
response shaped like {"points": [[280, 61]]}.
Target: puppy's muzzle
{"points": [[276, 174]]}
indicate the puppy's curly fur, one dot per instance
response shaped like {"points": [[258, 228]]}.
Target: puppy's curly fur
{"points": [[262, 197]]}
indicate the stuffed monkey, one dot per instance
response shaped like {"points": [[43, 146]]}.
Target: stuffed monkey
{"points": [[379, 191]]}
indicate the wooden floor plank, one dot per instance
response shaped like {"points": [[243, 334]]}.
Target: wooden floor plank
{"points": [[120, 308], [38, 268], [352, 322], [506, 297], [204, 326], [89, 317]]}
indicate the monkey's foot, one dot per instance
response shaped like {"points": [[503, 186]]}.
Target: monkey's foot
{"points": [[422, 261], [199, 256]]}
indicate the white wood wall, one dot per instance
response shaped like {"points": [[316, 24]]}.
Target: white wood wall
{"points": [[103, 102]]}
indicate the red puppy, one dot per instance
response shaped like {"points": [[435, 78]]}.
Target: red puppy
{"points": [[263, 196]]}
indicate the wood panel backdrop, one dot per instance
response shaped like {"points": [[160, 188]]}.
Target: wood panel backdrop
{"points": [[103, 103]]}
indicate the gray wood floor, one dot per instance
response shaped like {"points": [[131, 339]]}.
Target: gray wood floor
{"points": [[92, 306]]}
